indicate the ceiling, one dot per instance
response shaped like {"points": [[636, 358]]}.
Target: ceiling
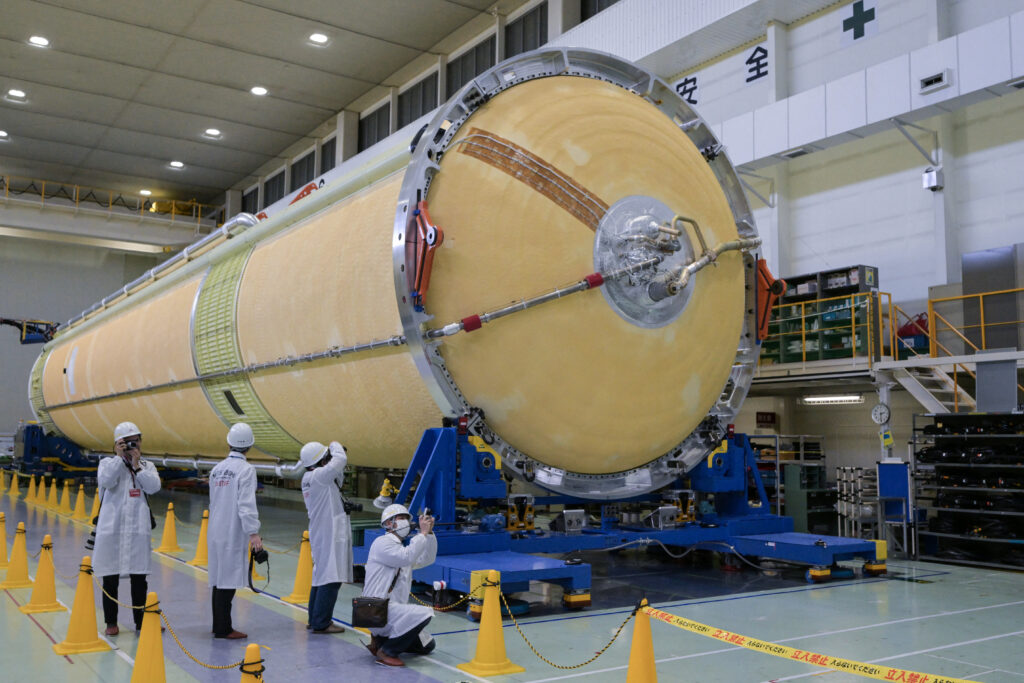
{"points": [[126, 86]]}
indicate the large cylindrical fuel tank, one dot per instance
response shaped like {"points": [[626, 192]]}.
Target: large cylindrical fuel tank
{"points": [[458, 279]]}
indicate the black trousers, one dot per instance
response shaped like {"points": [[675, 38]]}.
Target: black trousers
{"points": [[220, 599], [408, 642], [139, 589]]}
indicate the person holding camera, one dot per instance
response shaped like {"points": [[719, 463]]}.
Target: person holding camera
{"points": [[122, 543], [389, 566], [234, 527], [330, 533]]}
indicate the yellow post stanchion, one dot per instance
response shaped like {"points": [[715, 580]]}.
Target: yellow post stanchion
{"points": [[642, 668], [169, 541], [79, 511], [44, 590], [13, 491], [303, 574], [201, 557], [83, 634], [65, 501], [3, 541], [51, 502], [17, 573], [30, 495], [149, 657], [252, 666], [95, 505], [490, 658]]}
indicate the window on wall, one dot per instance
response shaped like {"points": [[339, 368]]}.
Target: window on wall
{"points": [[273, 189], [251, 200], [417, 100], [374, 127], [469, 65], [528, 32], [589, 8], [327, 153], [303, 171]]}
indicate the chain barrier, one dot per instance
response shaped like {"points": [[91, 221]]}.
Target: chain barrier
{"points": [[284, 552], [468, 596], [96, 579], [258, 673]]}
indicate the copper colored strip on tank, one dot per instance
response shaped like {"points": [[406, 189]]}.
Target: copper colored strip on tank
{"points": [[530, 169]]}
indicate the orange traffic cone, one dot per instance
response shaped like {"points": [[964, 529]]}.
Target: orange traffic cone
{"points": [[202, 556], [17, 573], [30, 496], [303, 574], [79, 513], [491, 659], [44, 590], [252, 666], [65, 501], [51, 502], [169, 542], [95, 505], [149, 657], [3, 541], [13, 491], [83, 635], [642, 668]]}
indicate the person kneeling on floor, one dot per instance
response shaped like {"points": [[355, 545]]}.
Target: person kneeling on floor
{"points": [[389, 567]]}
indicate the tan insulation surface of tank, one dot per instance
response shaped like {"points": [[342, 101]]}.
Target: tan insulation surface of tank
{"points": [[571, 383], [325, 282], [145, 345]]}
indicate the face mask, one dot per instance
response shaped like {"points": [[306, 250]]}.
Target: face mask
{"points": [[402, 528]]}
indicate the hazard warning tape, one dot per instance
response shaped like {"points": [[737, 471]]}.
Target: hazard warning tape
{"points": [[882, 673]]}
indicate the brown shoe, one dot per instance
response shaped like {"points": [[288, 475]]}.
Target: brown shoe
{"points": [[234, 635], [388, 660], [113, 631], [331, 628], [373, 646]]}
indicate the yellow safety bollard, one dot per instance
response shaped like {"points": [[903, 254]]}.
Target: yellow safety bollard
{"points": [[252, 666], [169, 541], [202, 556], [95, 505], [149, 657], [490, 658], [65, 501], [303, 574], [83, 634], [13, 491], [30, 496], [3, 541], [642, 668], [79, 512], [44, 590], [51, 502], [17, 573]]}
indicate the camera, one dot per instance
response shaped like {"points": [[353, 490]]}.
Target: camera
{"points": [[90, 542], [261, 555], [131, 444], [352, 507]]}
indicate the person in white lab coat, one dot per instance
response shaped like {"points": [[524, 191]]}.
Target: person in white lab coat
{"points": [[123, 529], [234, 526], [330, 534], [389, 567]]}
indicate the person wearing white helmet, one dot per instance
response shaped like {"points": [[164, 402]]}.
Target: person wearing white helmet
{"points": [[330, 533], [234, 526], [389, 567], [123, 527]]}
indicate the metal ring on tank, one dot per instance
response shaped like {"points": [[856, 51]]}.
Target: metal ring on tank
{"points": [[432, 144]]}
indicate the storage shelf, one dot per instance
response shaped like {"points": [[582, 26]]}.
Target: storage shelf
{"points": [[976, 511], [973, 563], [1016, 541], [984, 465], [976, 489]]}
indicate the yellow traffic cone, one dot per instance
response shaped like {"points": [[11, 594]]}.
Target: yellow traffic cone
{"points": [[17, 573], [3, 541], [51, 502], [13, 491], [169, 542], [641, 652], [83, 635], [41, 492], [79, 513], [44, 590], [201, 557], [30, 497], [3, 480], [490, 658], [65, 501], [95, 505], [149, 657], [252, 666], [303, 574]]}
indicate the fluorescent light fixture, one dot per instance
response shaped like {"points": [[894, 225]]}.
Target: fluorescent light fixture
{"points": [[258, 90], [212, 133], [3, 134], [39, 41], [318, 38], [177, 164], [832, 399], [145, 193], [15, 95]]}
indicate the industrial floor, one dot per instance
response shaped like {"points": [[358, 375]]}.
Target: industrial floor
{"points": [[954, 621]]}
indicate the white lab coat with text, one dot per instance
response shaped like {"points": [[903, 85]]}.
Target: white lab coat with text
{"points": [[387, 555], [123, 531], [330, 533], [233, 518]]}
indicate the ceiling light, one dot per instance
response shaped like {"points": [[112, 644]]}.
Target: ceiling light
{"points": [[212, 133], [15, 94], [177, 164], [145, 193], [832, 399], [3, 134], [318, 38], [39, 41], [258, 90]]}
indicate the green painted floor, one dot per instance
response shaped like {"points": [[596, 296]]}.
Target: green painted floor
{"points": [[945, 620]]}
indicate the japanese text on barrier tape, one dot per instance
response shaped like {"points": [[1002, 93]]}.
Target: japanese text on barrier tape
{"points": [[882, 673]]}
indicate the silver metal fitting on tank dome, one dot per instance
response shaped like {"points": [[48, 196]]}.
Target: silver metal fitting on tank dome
{"points": [[644, 254]]}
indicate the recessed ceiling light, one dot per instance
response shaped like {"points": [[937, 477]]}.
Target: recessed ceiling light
{"points": [[318, 38], [16, 94], [258, 90], [3, 134], [211, 133], [39, 41], [177, 164], [145, 193]]}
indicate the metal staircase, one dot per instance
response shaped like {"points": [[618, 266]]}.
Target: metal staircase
{"points": [[934, 388]]}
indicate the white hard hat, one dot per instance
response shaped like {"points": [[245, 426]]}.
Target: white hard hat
{"points": [[311, 453], [391, 511], [240, 436], [126, 429]]}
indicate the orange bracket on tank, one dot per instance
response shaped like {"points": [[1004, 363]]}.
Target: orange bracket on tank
{"points": [[428, 238], [768, 292]]}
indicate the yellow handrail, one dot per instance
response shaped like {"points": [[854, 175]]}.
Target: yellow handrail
{"points": [[853, 302]]}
